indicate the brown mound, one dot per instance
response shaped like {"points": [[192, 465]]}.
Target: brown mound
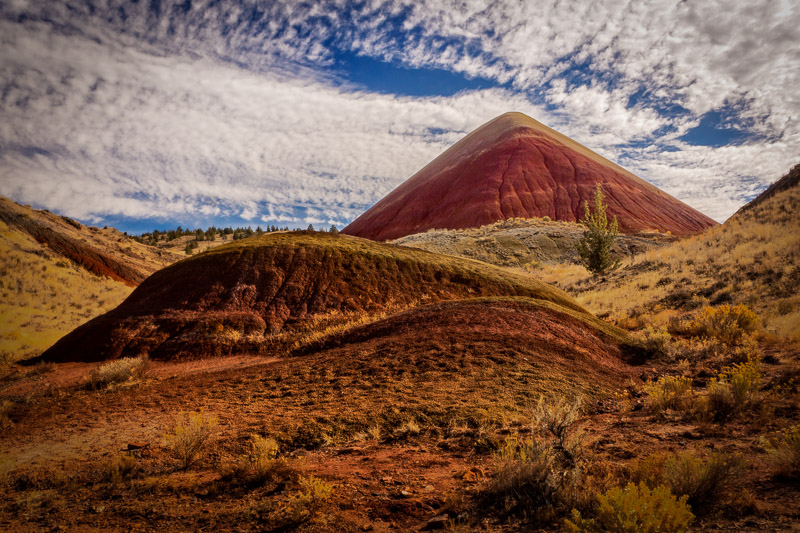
{"points": [[250, 296], [513, 166], [564, 352], [79, 252]]}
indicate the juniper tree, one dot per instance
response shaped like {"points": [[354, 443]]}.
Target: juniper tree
{"points": [[595, 245]]}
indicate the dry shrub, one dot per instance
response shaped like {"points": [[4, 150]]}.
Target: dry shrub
{"points": [[655, 341], [736, 389], [117, 468], [189, 436], [542, 477], [727, 323], [558, 417], [635, 509], [526, 481], [784, 452], [669, 392], [119, 371], [706, 482], [261, 465], [5, 409], [307, 504]]}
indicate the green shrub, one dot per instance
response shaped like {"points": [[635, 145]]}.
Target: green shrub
{"points": [[669, 392], [635, 509], [595, 246], [784, 452], [118, 371], [727, 323], [189, 436]]}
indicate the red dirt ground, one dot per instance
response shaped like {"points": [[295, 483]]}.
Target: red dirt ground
{"points": [[514, 166]]}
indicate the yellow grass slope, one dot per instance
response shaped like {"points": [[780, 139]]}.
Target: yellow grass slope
{"points": [[753, 258]]}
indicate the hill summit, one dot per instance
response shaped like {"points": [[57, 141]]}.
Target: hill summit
{"points": [[514, 166]]}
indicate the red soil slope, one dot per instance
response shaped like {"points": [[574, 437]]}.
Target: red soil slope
{"points": [[513, 166], [247, 296], [565, 351], [81, 253]]}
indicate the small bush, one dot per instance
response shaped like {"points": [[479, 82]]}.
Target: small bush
{"points": [[525, 478], [704, 481], [558, 417], [727, 323], [305, 506], [784, 452], [669, 392], [188, 437], [5, 409], [118, 468], [655, 342], [262, 464], [736, 389], [119, 371], [635, 509]]}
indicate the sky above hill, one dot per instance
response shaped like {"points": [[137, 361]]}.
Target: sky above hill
{"points": [[151, 114]]}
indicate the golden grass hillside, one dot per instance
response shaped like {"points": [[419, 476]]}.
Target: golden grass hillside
{"points": [[752, 259], [44, 296]]}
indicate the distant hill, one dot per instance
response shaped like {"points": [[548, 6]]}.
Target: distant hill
{"points": [[791, 179], [514, 166]]}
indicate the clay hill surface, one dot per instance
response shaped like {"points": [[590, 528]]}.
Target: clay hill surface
{"points": [[525, 243], [513, 166], [263, 293], [58, 273]]}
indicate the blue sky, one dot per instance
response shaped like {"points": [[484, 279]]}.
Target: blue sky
{"points": [[155, 114]]}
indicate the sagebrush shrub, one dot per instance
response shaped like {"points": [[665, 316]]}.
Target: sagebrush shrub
{"points": [[669, 392], [558, 417], [119, 371], [727, 323], [635, 509], [705, 481], [189, 436], [784, 452], [655, 341], [306, 505], [736, 389], [525, 479]]}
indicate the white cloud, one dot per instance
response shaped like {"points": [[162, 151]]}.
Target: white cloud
{"points": [[232, 109]]}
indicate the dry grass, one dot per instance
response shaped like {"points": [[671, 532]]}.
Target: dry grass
{"points": [[784, 452], [752, 259], [118, 372], [44, 296], [189, 436]]}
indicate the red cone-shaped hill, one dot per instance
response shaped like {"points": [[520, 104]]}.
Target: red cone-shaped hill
{"points": [[262, 294], [513, 166]]}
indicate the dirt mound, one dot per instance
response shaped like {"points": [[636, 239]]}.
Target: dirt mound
{"points": [[513, 166], [568, 352], [259, 294]]}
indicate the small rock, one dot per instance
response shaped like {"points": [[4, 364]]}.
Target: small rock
{"points": [[437, 522], [137, 446], [405, 494]]}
